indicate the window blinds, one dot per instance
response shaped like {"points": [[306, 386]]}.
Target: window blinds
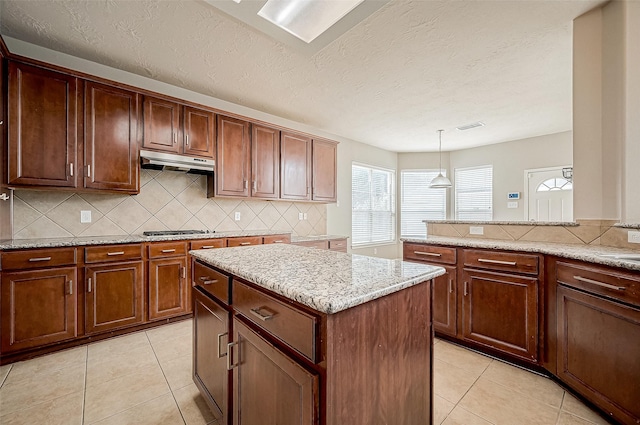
{"points": [[372, 205], [420, 202], [474, 193]]}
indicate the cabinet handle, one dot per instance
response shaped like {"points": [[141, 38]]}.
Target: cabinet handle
{"points": [[112, 254], [167, 251], [89, 170], [230, 364], [221, 355], [264, 317], [184, 272], [36, 259], [466, 289], [71, 169], [254, 185], [207, 280], [89, 285], [504, 263], [70, 283], [187, 139], [598, 283], [207, 247], [451, 286], [308, 190], [245, 243], [175, 137], [430, 254], [245, 184], [278, 241]]}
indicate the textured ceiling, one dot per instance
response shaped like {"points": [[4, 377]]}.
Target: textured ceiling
{"points": [[391, 81]]}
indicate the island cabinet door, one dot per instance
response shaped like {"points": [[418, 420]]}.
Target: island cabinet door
{"points": [[268, 386], [500, 311], [444, 302], [211, 336]]}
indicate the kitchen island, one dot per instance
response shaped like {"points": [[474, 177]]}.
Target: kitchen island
{"points": [[291, 335]]}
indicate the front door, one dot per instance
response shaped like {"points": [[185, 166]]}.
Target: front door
{"points": [[550, 196]]}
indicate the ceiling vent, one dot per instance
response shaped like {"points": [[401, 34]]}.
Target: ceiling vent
{"points": [[470, 126]]}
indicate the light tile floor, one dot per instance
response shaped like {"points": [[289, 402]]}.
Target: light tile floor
{"points": [[145, 379]]}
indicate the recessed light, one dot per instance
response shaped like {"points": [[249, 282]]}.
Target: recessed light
{"points": [[470, 126]]}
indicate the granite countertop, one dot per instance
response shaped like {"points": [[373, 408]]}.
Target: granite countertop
{"points": [[327, 281], [589, 253], [108, 240], [313, 238], [505, 223]]}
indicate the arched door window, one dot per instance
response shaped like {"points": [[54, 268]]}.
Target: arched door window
{"points": [[555, 184]]}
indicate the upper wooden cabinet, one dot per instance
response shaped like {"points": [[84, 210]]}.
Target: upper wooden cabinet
{"points": [[295, 167], [172, 127], [44, 108], [233, 160], [111, 138], [324, 166], [265, 162]]}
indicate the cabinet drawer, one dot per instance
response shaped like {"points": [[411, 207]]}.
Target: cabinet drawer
{"points": [[600, 280], [253, 240], [293, 327], [167, 249], [502, 261], [338, 245], [211, 281], [430, 253], [314, 244], [277, 239], [101, 254], [209, 243], [37, 258]]}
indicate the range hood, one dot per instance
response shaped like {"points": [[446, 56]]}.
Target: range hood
{"points": [[170, 161]]}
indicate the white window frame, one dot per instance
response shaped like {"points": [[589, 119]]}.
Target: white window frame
{"points": [[392, 212], [458, 191], [427, 213]]}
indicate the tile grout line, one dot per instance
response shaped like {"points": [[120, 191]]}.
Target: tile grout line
{"points": [[564, 393], [84, 386], [6, 376]]}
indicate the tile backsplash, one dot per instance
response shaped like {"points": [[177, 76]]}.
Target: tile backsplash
{"points": [[167, 200]]}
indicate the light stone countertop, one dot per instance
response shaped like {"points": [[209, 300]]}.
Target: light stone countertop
{"points": [[588, 253], [313, 238], [506, 223], [108, 240], [327, 281]]}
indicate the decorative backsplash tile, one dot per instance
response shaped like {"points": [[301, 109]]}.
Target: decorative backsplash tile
{"points": [[167, 200]]}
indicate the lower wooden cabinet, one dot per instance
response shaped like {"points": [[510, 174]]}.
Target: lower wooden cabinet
{"points": [[38, 307], [211, 335], [599, 351], [444, 302], [500, 311], [168, 288], [114, 296], [264, 377]]}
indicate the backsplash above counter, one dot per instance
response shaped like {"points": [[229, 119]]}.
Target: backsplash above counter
{"points": [[167, 200]]}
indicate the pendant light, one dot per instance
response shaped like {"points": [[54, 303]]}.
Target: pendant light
{"points": [[440, 181]]}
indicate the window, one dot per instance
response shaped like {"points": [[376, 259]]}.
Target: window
{"points": [[420, 202], [555, 184], [474, 193], [373, 210]]}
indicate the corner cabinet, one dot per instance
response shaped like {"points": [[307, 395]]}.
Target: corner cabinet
{"points": [[324, 166]]}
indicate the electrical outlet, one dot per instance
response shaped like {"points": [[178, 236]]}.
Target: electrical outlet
{"points": [[300, 216], [85, 216], [305, 216], [375, 251], [633, 236], [237, 216], [337, 203], [476, 230]]}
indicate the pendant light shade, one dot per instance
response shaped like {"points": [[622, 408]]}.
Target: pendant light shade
{"points": [[440, 181]]}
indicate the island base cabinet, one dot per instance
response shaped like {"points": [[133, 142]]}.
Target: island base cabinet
{"points": [[211, 334], [268, 386], [598, 352], [38, 308], [444, 302]]}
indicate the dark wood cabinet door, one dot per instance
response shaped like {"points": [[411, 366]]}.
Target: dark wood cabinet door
{"points": [[265, 162], [295, 166], [161, 125], [43, 127], [114, 296], [232, 157], [444, 302], [500, 311], [168, 289], [599, 350], [199, 132], [112, 116], [268, 386], [324, 171], [38, 307], [211, 335]]}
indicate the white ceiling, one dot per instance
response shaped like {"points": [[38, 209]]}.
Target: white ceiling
{"points": [[409, 69]]}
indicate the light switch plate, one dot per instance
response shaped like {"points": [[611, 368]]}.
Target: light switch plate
{"points": [[85, 216], [633, 236], [476, 230], [512, 204], [305, 216], [237, 216], [300, 216]]}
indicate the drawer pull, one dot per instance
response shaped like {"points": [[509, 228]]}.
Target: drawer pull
{"points": [[451, 286], [111, 254], [230, 364], [598, 283], [278, 241], [258, 313], [207, 247], [504, 263], [36, 259], [466, 289], [245, 243], [221, 355], [207, 280], [168, 251], [430, 254]]}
